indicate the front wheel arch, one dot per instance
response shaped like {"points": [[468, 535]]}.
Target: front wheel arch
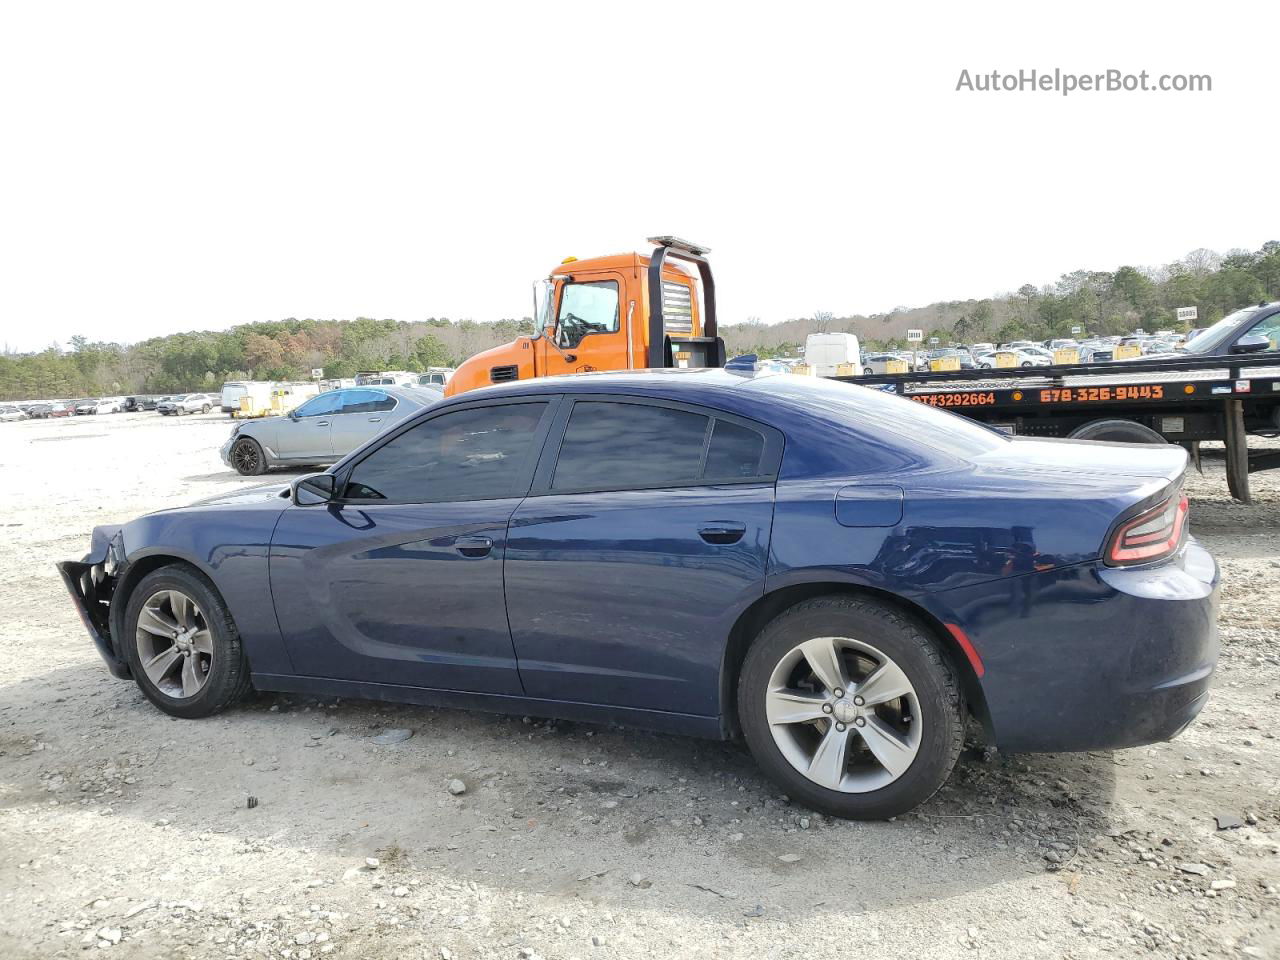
{"points": [[752, 620], [129, 577]]}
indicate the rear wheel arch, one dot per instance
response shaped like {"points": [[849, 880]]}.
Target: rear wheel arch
{"points": [[762, 611]]}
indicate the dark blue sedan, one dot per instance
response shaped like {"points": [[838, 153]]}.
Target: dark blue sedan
{"points": [[841, 577]]}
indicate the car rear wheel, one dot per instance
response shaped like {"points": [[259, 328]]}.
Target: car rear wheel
{"points": [[867, 371], [182, 645], [851, 708], [247, 457]]}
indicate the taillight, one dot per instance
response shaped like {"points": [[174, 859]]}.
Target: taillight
{"points": [[1152, 535]]}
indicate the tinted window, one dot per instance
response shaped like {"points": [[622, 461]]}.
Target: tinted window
{"points": [[734, 453], [477, 454], [587, 308], [325, 403], [366, 401], [610, 446], [1269, 328]]}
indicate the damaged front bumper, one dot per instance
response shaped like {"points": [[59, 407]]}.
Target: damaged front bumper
{"points": [[91, 582]]}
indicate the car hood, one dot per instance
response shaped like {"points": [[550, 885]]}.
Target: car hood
{"points": [[244, 496]]}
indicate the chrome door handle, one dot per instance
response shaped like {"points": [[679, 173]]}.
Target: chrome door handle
{"points": [[375, 419], [322, 423]]}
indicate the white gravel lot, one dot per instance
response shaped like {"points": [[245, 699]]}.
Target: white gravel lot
{"points": [[124, 831]]}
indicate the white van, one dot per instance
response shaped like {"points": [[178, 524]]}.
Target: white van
{"points": [[437, 375], [232, 391], [825, 352]]}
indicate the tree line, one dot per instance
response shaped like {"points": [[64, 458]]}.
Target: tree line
{"points": [[1101, 302]]}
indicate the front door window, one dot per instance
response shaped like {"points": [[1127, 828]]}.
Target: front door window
{"points": [[586, 308]]}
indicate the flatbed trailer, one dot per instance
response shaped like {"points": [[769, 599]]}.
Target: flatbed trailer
{"points": [[1183, 400]]}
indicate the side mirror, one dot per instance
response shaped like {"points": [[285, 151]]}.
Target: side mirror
{"points": [[314, 488], [293, 414], [1251, 343]]}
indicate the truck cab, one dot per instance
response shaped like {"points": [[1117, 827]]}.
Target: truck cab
{"points": [[622, 312]]}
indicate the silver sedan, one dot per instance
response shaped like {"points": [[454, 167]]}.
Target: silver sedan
{"points": [[324, 429]]}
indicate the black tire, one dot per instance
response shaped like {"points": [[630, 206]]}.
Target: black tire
{"points": [[205, 408], [247, 457], [927, 668], [867, 372], [228, 678], [1116, 431]]}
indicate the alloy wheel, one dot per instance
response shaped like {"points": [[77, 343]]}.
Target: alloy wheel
{"points": [[843, 714], [175, 645], [245, 456]]}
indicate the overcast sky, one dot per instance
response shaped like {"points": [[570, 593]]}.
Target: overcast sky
{"points": [[168, 167]]}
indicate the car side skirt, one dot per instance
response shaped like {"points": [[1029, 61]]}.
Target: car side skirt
{"points": [[685, 724]]}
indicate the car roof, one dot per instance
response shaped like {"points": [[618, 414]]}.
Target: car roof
{"points": [[768, 397]]}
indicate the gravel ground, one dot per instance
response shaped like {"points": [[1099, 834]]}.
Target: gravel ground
{"points": [[486, 836]]}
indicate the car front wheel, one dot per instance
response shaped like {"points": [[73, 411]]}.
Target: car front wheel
{"points": [[851, 708], [204, 408], [247, 457], [182, 645]]}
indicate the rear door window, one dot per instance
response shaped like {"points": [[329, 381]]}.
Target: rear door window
{"points": [[366, 401], [734, 453], [615, 445]]}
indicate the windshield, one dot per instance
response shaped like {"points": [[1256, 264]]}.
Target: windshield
{"points": [[1220, 332]]}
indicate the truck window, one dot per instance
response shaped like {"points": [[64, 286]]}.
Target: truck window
{"points": [[477, 454], [587, 308]]}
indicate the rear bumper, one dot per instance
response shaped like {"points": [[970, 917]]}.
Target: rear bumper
{"points": [[79, 580], [1093, 657]]}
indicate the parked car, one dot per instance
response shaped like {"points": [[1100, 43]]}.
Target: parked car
{"points": [[104, 405], [1022, 358], [185, 403], [1096, 354], [39, 411], [877, 363], [837, 574], [325, 428], [65, 408], [962, 357], [10, 412], [140, 402]]}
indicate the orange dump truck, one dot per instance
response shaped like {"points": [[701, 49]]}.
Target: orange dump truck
{"points": [[622, 312]]}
